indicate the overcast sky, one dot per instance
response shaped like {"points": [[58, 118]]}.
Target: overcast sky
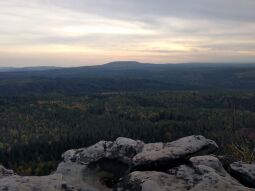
{"points": [[87, 32]]}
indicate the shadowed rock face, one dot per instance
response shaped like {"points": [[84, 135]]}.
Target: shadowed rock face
{"points": [[5, 172], [245, 173], [129, 165], [202, 174], [123, 149]]}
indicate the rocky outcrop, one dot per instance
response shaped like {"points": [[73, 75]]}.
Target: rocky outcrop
{"points": [[166, 155], [123, 149], [245, 173], [126, 165], [204, 173], [5, 172]]}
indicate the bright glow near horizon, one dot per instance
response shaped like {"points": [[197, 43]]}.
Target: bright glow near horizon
{"points": [[84, 32]]}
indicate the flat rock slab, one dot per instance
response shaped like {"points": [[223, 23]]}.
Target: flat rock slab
{"points": [[19, 183], [69, 176], [165, 155]]}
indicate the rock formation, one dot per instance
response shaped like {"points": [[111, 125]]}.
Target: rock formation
{"points": [[129, 165], [244, 172]]}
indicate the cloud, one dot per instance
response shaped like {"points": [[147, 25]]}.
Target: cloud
{"points": [[218, 9], [76, 32]]}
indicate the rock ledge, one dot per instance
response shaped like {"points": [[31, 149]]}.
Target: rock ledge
{"points": [[132, 165]]}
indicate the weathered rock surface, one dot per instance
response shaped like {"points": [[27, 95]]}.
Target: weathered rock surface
{"points": [[203, 174], [210, 161], [166, 155], [79, 177], [5, 172], [180, 165], [149, 181], [243, 172], [122, 149]]}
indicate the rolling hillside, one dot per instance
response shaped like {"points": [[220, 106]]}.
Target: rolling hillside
{"points": [[128, 76]]}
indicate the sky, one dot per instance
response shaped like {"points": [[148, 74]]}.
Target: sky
{"points": [[90, 32]]}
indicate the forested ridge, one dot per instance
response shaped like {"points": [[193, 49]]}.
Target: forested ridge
{"points": [[36, 130], [128, 76]]}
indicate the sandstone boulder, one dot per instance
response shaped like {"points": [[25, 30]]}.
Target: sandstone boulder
{"points": [[204, 173], [122, 149], [244, 172], [165, 155]]}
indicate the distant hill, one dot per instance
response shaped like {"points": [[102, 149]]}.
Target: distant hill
{"points": [[127, 76], [38, 68], [126, 65], [5, 69]]}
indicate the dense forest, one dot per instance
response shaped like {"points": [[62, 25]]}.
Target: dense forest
{"points": [[36, 130], [46, 111]]}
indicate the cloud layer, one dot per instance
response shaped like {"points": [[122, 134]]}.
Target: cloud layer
{"points": [[85, 32]]}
